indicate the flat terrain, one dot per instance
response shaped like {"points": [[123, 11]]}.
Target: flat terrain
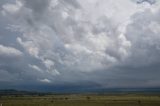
{"points": [[81, 100]]}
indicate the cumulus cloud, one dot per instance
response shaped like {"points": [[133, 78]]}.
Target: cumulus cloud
{"points": [[143, 33], [68, 39], [65, 40], [35, 67], [9, 52], [11, 8], [45, 80]]}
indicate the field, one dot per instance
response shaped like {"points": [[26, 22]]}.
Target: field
{"points": [[81, 100]]}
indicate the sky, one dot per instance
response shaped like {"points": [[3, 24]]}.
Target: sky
{"points": [[47, 44]]}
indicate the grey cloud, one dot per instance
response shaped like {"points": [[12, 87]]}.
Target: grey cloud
{"points": [[38, 6], [68, 34], [73, 3], [144, 36], [149, 1]]}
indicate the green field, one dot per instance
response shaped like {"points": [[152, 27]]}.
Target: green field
{"points": [[81, 100]]}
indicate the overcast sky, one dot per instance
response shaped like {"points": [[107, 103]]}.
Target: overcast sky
{"points": [[86, 43]]}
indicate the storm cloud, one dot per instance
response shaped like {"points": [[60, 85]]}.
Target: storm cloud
{"points": [[106, 43]]}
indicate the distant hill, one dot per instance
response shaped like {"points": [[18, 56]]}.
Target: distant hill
{"points": [[6, 92], [14, 92]]}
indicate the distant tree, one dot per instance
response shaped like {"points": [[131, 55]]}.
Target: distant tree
{"points": [[139, 102], [66, 98], [88, 98]]}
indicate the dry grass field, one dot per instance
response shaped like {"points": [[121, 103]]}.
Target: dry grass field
{"points": [[81, 100]]}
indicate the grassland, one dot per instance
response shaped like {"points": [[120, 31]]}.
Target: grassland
{"points": [[81, 100]]}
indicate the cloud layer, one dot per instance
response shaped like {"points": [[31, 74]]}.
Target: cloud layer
{"points": [[109, 43]]}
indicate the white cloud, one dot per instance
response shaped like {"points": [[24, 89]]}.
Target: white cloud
{"points": [[49, 64], [35, 67], [30, 47], [12, 8], [9, 51], [45, 80]]}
